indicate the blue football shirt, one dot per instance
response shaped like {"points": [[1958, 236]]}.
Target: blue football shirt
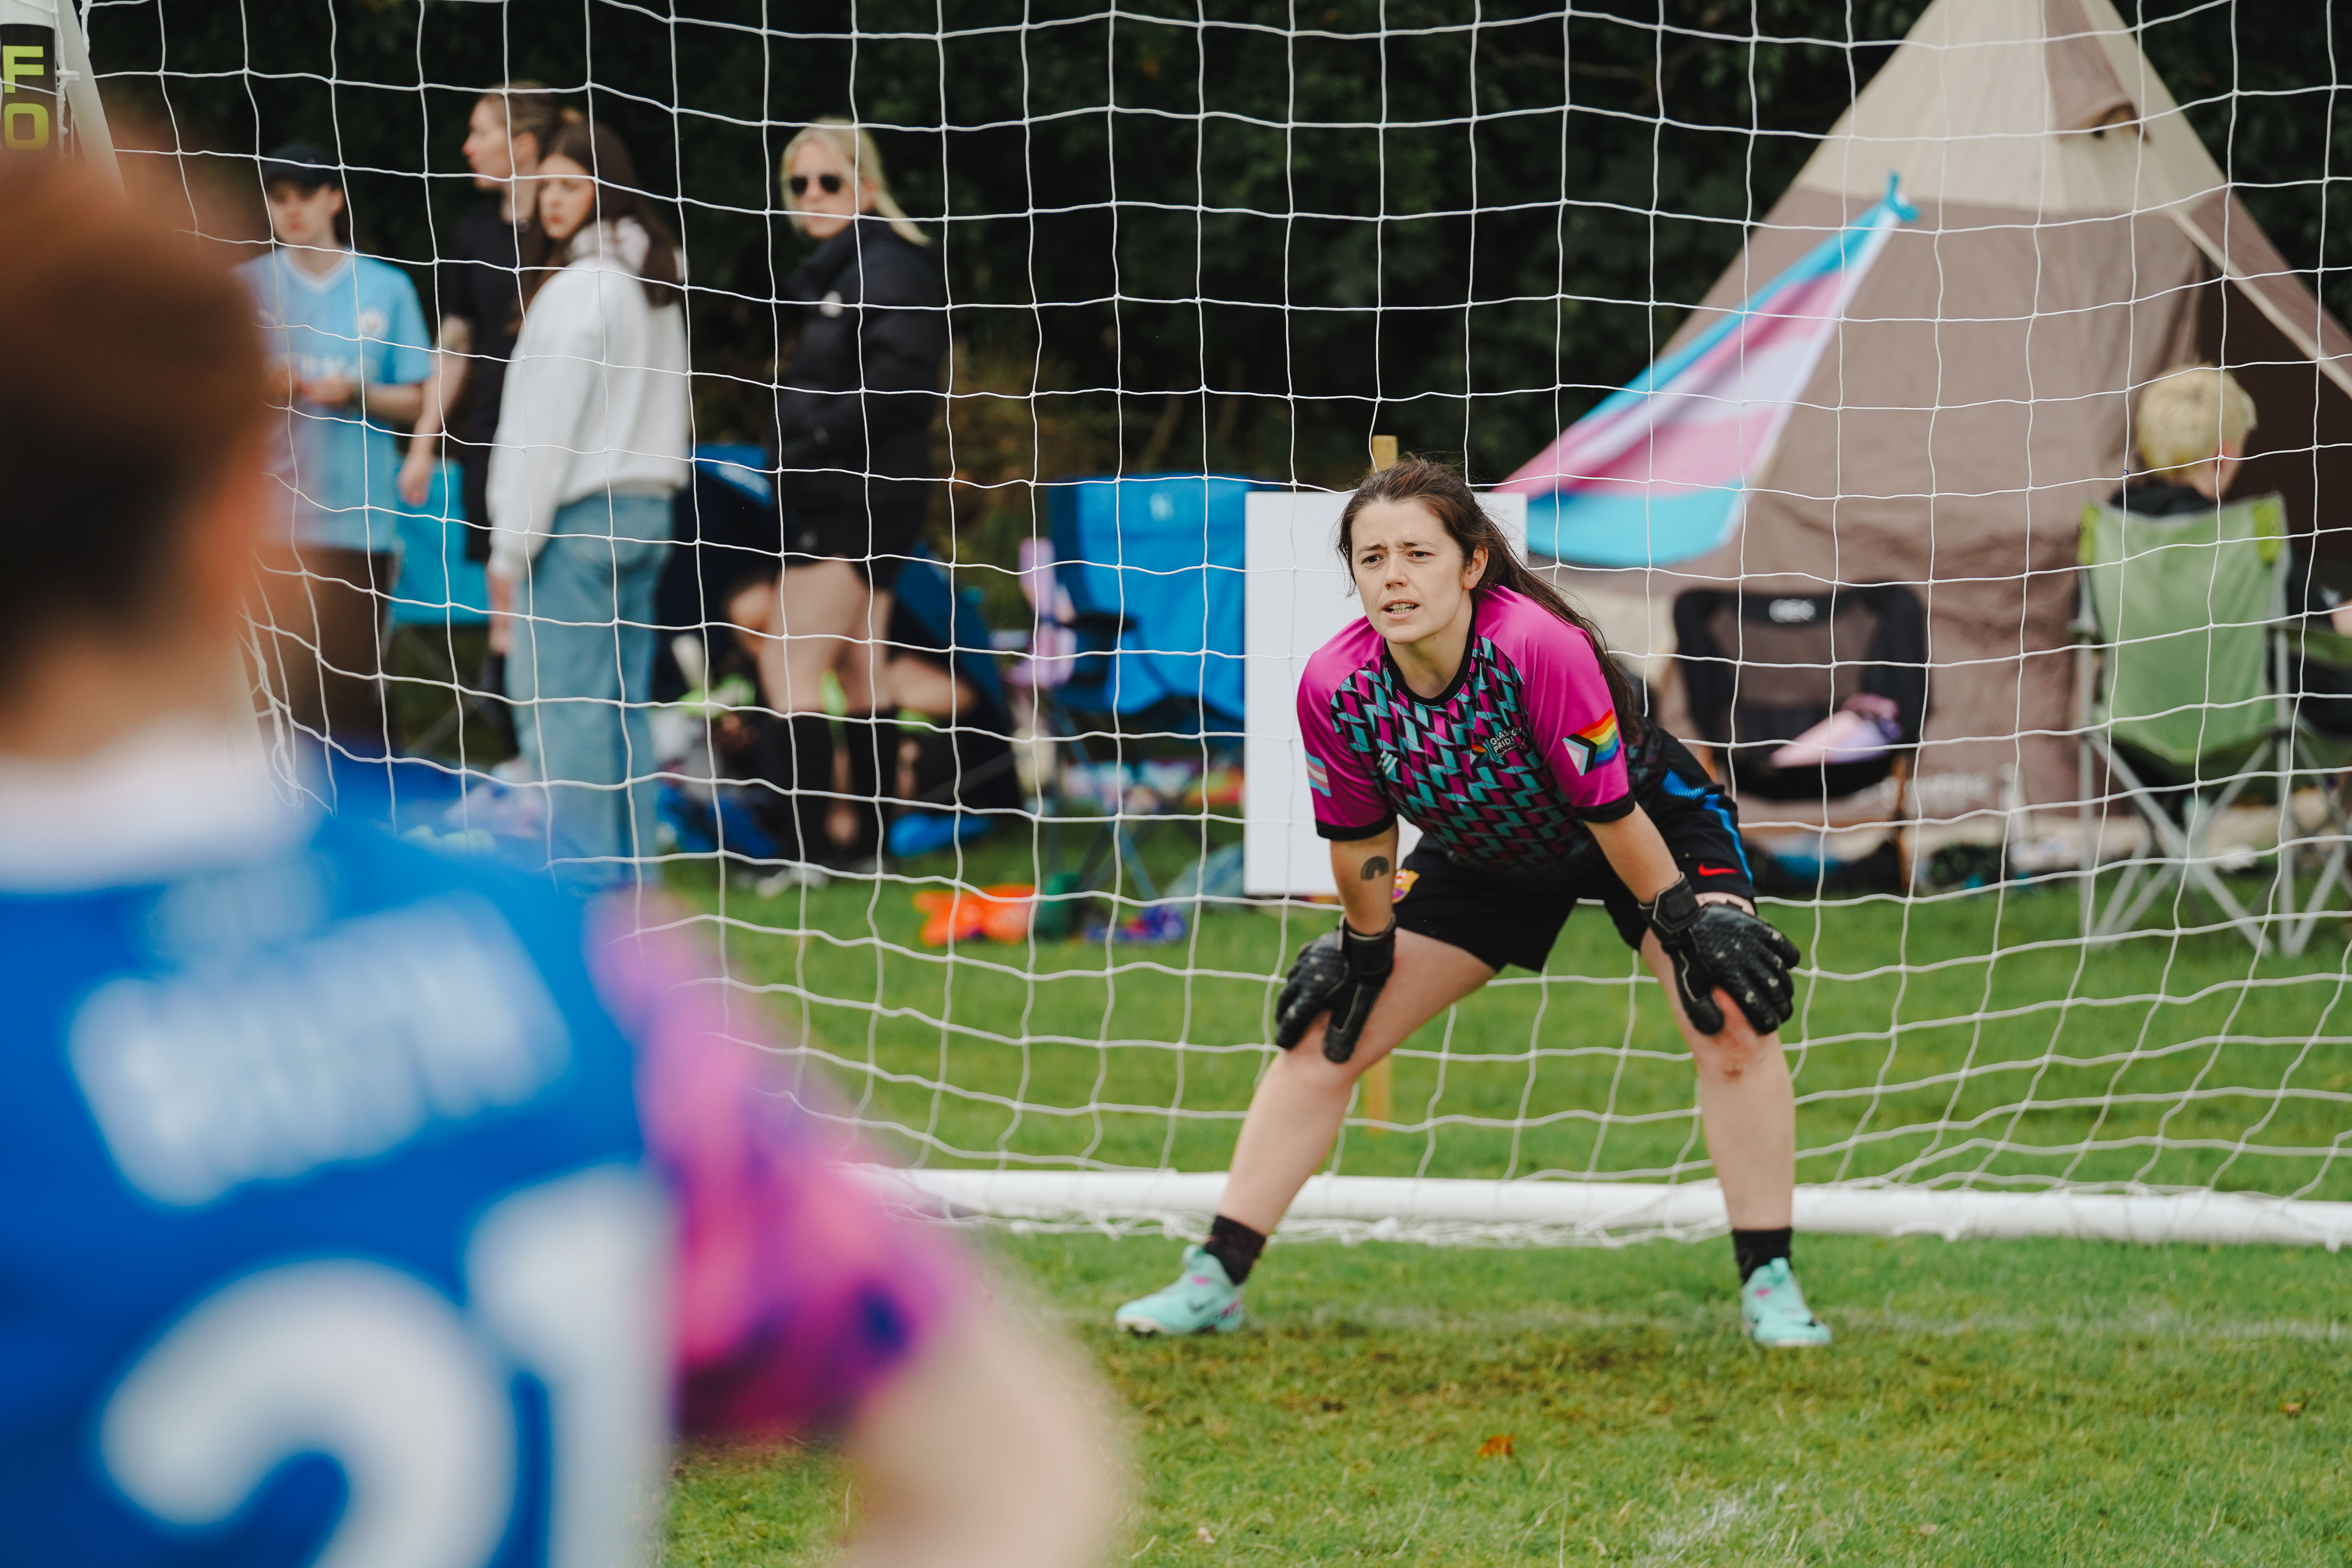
{"points": [[361, 321], [364, 1205], [342, 1204]]}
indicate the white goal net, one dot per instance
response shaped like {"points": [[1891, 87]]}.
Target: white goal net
{"points": [[1804, 342]]}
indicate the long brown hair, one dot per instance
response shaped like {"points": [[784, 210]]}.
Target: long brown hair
{"points": [[1449, 499], [600, 149]]}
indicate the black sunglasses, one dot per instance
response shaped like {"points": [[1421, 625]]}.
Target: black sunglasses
{"points": [[829, 184]]}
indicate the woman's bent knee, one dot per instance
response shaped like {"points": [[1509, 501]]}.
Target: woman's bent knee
{"points": [[1306, 1065], [1735, 1053]]}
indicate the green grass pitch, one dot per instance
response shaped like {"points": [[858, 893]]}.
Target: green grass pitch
{"points": [[1987, 1402], [1992, 1402], [1972, 1037]]}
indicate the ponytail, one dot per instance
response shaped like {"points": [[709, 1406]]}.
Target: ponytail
{"points": [[1448, 498]]}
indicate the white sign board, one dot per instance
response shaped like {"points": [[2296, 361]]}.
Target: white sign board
{"points": [[1299, 597]]}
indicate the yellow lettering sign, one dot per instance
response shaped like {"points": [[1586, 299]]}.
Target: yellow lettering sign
{"points": [[19, 61]]}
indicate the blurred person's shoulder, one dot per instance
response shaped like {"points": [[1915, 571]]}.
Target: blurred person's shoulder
{"points": [[379, 276], [1530, 635], [896, 271], [169, 911], [483, 236], [2147, 495], [1352, 649], [262, 277]]}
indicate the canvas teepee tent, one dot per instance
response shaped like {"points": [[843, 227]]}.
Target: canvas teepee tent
{"points": [[1966, 385]]}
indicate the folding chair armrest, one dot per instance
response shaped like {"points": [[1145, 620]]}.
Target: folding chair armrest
{"points": [[2328, 647]]}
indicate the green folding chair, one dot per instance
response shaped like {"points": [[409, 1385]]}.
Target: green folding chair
{"points": [[2181, 682]]}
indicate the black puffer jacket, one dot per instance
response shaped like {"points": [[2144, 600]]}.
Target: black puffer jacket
{"points": [[855, 413]]}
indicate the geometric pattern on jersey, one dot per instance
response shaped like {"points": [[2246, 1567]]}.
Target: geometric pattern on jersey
{"points": [[1464, 770]]}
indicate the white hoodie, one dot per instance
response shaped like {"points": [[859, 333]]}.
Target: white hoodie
{"points": [[596, 396]]}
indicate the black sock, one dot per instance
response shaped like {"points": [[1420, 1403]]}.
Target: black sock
{"points": [[873, 742], [1236, 1246], [807, 775], [1755, 1248]]}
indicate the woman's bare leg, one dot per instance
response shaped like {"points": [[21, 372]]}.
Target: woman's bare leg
{"points": [[864, 667], [1747, 1104], [934, 690], [1303, 1097], [820, 614], [825, 619]]}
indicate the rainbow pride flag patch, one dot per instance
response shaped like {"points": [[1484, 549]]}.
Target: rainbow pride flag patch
{"points": [[1594, 746]]}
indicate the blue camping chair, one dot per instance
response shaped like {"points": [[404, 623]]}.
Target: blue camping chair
{"points": [[1147, 584], [1153, 566]]}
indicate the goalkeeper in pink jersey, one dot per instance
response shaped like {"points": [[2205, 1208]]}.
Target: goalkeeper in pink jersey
{"points": [[1474, 701]]}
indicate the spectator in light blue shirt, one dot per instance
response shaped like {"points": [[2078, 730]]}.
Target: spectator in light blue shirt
{"points": [[350, 352]]}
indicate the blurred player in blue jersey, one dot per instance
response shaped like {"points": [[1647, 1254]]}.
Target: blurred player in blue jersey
{"points": [[358, 1206]]}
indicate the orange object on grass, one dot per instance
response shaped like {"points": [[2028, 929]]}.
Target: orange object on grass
{"points": [[1000, 913]]}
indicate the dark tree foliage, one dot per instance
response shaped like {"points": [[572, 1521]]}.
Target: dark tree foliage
{"points": [[1241, 233]]}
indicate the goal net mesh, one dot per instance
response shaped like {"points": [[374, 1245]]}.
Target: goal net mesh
{"points": [[1246, 240]]}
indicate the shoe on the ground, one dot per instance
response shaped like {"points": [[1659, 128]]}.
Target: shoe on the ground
{"points": [[1774, 1309], [1202, 1301], [798, 874]]}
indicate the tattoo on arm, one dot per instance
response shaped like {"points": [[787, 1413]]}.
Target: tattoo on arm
{"points": [[1375, 869]]}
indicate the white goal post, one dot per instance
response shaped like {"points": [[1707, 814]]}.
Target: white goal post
{"points": [[1440, 1210]]}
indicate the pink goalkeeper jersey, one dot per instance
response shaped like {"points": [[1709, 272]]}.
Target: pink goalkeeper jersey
{"points": [[1501, 770]]}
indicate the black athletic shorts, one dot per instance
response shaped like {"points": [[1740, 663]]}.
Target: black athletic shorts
{"points": [[1500, 922], [876, 543]]}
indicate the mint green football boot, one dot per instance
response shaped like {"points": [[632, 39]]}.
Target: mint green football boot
{"points": [[1773, 1308], [1201, 1302]]}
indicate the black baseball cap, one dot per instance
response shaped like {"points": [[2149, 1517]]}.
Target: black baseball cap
{"points": [[301, 165]]}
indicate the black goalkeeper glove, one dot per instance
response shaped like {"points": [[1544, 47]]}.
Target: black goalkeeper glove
{"points": [[1339, 971], [1723, 944]]}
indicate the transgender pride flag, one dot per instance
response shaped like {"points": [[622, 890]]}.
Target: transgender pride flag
{"points": [[1660, 470]]}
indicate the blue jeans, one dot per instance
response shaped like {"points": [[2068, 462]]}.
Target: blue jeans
{"points": [[580, 672]]}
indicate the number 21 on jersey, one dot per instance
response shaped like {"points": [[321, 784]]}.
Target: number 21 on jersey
{"points": [[410, 1395]]}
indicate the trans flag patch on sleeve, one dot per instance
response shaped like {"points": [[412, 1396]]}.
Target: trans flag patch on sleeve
{"points": [[1318, 777], [1594, 746]]}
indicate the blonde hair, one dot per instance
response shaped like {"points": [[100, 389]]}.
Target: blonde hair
{"points": [[853, 148], [2190, 415]]}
